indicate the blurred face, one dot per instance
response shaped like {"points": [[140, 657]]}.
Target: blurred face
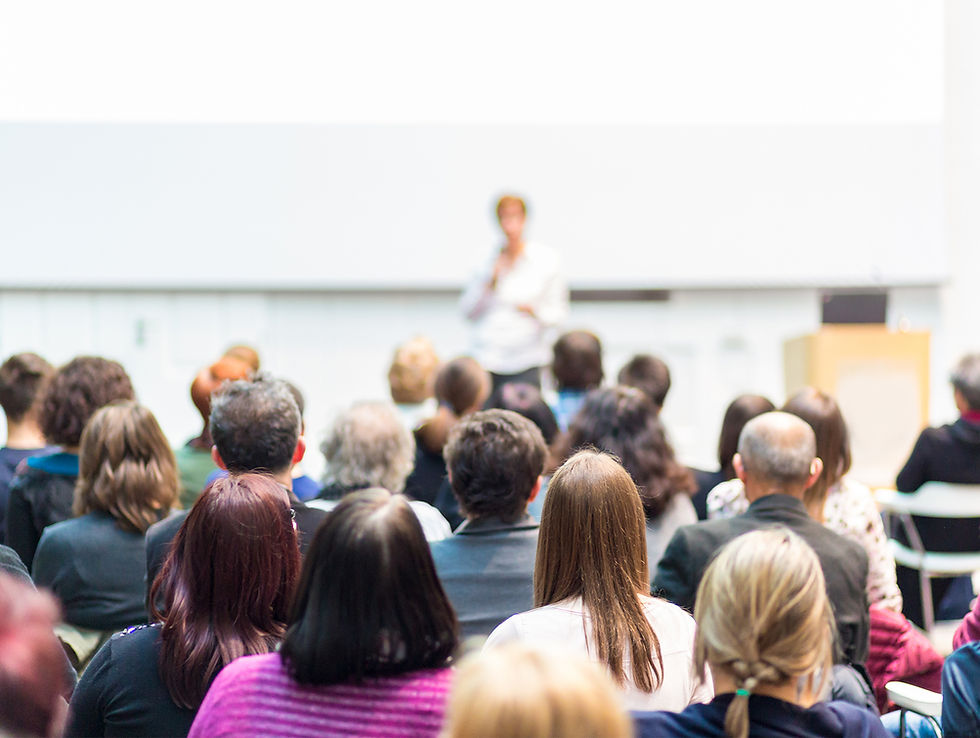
{"points": [[512, 221]]}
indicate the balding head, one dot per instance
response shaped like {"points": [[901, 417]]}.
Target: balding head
{"points": [[777, 453]]}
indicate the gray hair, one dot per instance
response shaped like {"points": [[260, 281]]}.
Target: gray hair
{"points": [[966, 379], [368, 446], [777, 447]]}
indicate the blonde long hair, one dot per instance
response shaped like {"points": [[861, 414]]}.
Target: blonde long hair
{"points": [[764, 618]]}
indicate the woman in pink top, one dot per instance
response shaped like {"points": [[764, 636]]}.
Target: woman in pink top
{"points": [[369, 644]]}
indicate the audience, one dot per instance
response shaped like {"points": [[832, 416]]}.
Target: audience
{"points": [[256, 427], [576, 366], [43, 489], [624, 422], [370, 638], [127, 480], [741, 410], [369, 447], [591, 584], [150, 680], [522, 691], [495, 460], [777, 462], [21, 379], [411, 381], [766, 630], [648, 374]]}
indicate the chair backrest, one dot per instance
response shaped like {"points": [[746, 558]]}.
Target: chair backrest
{"points": [[933, 500]]}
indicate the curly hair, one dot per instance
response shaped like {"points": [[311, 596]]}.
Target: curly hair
{"points": [[624, 421], [76, 391]]}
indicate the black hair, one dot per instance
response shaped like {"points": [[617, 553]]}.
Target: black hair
{"points": [[525, 399], [647, 373], [577, 361]]}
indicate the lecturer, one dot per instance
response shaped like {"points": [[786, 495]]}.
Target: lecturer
{"points": [[515, 302]]}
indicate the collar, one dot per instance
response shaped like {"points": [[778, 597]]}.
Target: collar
{"points": [[778, 502], [60, 463], [294, 501], [494, 524]]}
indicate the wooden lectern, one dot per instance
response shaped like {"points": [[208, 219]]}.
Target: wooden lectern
{"points": [[880, 378]]}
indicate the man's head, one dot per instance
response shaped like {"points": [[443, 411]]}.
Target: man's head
{"points": [[495, 459], [777, 452], [21, 377], [577, 361], [256, 426], [966, 383], [649, 374]]}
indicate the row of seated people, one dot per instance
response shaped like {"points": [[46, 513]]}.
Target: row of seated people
{"points": [[245, 415]]}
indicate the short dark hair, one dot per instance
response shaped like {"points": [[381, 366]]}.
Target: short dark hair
{"points": [[647, 373], [577, 361], [75, 392], [369, 601], [460, 384], [966, 379], [255, 425], [21, 378], [494, 458], [525, 399]]}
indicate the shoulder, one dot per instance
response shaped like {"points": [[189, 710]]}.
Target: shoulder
{"points": [[244, 672], [849, 720], [693, 720], [139, 639]]}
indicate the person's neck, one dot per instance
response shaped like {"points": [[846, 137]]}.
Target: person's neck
{"points": [[756, 489], [514, 249], [786, 691], [285, 478], [24, 435]]}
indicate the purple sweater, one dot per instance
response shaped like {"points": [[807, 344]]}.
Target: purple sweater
{"points": [[255, 695]]}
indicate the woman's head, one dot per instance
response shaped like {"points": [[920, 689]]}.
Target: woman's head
{"points": [[592, 544], [412, 371], [623, 421], [741, 410], [75, 392], [821, 411], [126, 467], [227, 582], [462, 385], [368, 446], [369, 601], [519, 690], [764, 619]]}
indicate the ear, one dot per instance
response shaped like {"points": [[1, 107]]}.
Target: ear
{"points": [[534, 490], [300, 451], [739, 467], [216, 458], [816, 469]]}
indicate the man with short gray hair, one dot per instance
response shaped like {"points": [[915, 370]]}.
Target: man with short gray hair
{"points": [[777, 462]]}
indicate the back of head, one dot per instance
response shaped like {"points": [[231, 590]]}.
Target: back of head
{"points": [[577, 361], [966, 380], [255, 425], [126, 467], [226, 369], [412, 373], [741, 410], [592, 544], [649, 374], [21, 378], [369, 601], [525, 399], [368, 446], [778, 449], [494, 459], [624, 422], [526, 692], [239, 530], [763, 617], [462, 385], [822, 413], [75, 392], [245, 353], [32, 672]]}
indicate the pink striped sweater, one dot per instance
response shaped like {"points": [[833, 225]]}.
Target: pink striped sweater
{"points": [[255, 695]]}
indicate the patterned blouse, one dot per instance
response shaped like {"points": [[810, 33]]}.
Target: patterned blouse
{"points": [[850, 510]]}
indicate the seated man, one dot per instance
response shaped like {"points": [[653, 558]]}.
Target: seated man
{"points": [[576, 366], [649, 374], [495, 459], [776, 461]]}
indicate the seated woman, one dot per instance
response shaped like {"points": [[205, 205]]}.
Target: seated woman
{"points": [[150, 680], [591, 588], [95, 563], [369, 642], [766, 630], [624, 422], [844, 506]]}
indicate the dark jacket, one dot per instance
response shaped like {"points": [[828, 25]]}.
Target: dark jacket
{"points": [[768, 718], [41, 493], [961, 695], [844, 563], [487, 570]]}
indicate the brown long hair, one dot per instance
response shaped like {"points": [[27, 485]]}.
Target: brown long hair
{"points": [[125, 467], [226, 584], [592, 545]]}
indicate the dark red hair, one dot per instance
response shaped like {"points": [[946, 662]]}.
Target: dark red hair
{"points": [[227, 583]]}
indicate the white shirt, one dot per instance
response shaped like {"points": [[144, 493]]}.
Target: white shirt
{"points": [[505, 339], [434, 525], [566, 624]]}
